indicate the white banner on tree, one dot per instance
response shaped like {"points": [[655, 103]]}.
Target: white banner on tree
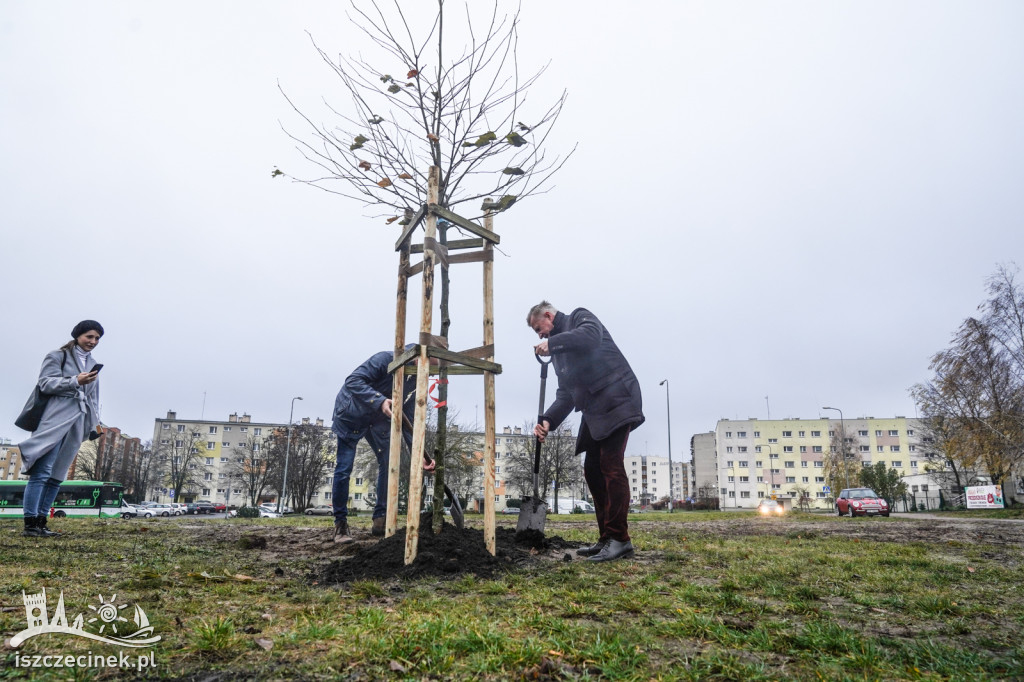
{"points": [[984, 497]]}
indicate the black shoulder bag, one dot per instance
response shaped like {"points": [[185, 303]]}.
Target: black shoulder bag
{"points": [[32, 414]]}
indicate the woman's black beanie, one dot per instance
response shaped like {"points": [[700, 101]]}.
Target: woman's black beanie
{"points": [[86, 326]]}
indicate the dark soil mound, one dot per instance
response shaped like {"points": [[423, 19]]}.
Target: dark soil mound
{"points": [[449, 554]]}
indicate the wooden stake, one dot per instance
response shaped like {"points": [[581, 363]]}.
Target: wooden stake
{"points": [[397, 397], [489, 418], [412, 524]]}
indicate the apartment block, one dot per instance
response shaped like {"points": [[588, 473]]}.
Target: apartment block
{"points": [[802, 458], [10, 461]]}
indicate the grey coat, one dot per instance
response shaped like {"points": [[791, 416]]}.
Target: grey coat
{"points": [[71, 413], [593, 377]]}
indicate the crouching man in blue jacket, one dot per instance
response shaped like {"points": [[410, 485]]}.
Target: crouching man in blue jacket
{"points": [[363, 410]]}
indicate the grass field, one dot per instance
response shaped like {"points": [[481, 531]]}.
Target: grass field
{"points": [[711, 596]]}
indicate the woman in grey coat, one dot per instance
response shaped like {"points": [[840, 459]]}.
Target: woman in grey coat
{"points": [[68, 377]]}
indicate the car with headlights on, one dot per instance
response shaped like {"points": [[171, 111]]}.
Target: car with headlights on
{"points": [[770, 508], [861, 502]]}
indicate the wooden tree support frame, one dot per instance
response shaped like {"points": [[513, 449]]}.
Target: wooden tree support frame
{"points": [[479, 360]]}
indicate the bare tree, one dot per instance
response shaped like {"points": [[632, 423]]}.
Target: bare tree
{"points": [[252, 469], [459, 109], [559, 464], [310, 455], [977, 392], [179, 460]]}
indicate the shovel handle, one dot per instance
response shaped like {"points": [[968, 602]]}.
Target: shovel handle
{"points": [[408, 425]]}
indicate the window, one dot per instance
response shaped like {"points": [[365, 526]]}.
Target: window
{"points": [[359, 481], [910, 432], [728, 434], [820, 494], [773, 455], [744, 479], [206, 492], [243, 429], [815, 434], [816, 448], [744, 493], [255, 447], [179, 443], [818, 464], [775, 471], [226, 445], [878, 433], [181, 428], [164, 441], [257, 431], [862, 433], [819, 479], [787, 448], [803, 464], [742, 448], [226, 429], [213, 429], [894, 448], [744, 463], [787, 434], [728, 464], [866, 463], [223, 460], [741, 434], [790, 479], [757, 434], [865, 448], [801, 434], [893, 432], [760, 479], [758, 464], [912, 448], [209, 461], [728, 448], [803, 448], [730, 479], [913, 464], [790, 465], [732, 493], [358, 496], [211, 445], [879, 449], [497, 470], [897, 464], [924, 488], [165, 426], [805, 479], [773, 440]]}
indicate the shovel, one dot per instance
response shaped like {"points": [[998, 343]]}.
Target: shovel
{"points": [[458, 518], [534, 511]]}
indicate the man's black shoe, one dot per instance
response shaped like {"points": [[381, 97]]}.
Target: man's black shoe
{"points": [[592, 549], [614, 550]]}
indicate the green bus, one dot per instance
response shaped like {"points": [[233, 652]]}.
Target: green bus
{"points": [[97, 499]]}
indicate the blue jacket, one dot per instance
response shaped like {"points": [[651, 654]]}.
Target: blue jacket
{"points": [[593, 376], [358, 405]]}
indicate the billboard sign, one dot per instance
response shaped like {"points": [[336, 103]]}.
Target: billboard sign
{"points": [[984, 497]]}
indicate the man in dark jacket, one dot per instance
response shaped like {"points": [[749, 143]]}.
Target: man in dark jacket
{"points": [[363, 410], [595, 379]]}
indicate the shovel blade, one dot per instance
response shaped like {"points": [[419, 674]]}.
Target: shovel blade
{"points": [[532, 515]]}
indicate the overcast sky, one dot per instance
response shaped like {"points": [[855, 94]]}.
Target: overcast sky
{"points": [[798, 200]]}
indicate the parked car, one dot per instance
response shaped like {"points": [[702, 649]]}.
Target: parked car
{"points": [[510, 510], [320, 510], [770, 508], [162, 509], [201, 508], [862, 502], [268, 514], [179, 508], [219, 507], [128, 511]]}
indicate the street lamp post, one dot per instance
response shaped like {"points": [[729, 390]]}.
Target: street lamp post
{"points": [[287, 450], [668, 413], [842, 444]]}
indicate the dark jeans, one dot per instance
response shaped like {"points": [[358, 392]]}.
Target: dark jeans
{"points": [[606, 477], [378, 436]]}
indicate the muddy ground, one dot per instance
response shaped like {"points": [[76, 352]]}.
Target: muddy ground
{"points": [[455, 552]]}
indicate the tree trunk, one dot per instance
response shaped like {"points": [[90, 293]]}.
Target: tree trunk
{"points": [[442, 395]]}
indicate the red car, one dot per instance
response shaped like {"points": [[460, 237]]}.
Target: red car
{"points": [[861, 502]]}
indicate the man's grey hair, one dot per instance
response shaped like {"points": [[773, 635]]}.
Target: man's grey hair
{"points": [[538, 310]]}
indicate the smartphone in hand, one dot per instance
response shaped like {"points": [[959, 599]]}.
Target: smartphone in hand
{"points": [[97, 367]]}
